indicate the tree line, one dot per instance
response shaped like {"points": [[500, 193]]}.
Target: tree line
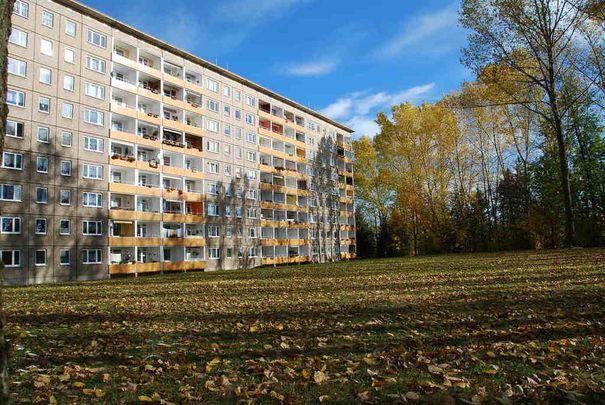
{"points": [[514, 159]]}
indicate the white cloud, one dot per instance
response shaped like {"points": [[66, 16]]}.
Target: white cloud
{"points": [[255, 11], [313, 68], [358, 110], [436, 32]]}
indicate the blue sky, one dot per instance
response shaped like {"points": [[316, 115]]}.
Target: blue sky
{"points": [[346, 58]]}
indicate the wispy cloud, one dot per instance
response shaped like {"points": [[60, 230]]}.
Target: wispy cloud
{"points": [[221, 28], [434, 32], [359, 109], [312, 68]]}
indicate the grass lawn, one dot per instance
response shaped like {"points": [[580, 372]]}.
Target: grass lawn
{"points": [[498, 328]]}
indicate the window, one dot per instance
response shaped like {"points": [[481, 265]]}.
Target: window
{"points": [[251, 137], [212, 105], [250, 119], [213, 188], [237, 95], [94, 172], [67, 138], [212, 85], [250, 101], [238, 133], [94, 117], [17, 67], [212, 125], [252, 213], [21, 8], [40, 226], [251, 174], [11, 225], [212, 231], [70, 28], [228, 215], [92, 256], [65, 197], [40, 257], [252, 252], [48, 19], [226, 111], [93, 144], [69, 56], [42, 164], [15, 97], [212, 146], [252, 233], [227, 170], [18, 37], [11, 258], [238, 152], [94, 90], [67, 110], [229, 253], [213, 168], [45, 76], [46, 47], [41, 195], [214, 253], [97, 39], [238, 213], [64, 257], [44, 105], [64, 227], [14, 129], [69, 83], [95, 64], [43, 135], [91, 228], [12, 160], [65, 168], [9, 192], [227, 150], [226, 91], [94, 200], [213, 210], [251, 156]]}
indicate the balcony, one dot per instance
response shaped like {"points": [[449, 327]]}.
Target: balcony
{"points": [[135, 268]]}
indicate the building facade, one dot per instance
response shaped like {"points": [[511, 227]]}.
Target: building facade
{"points": [[126, 155]]}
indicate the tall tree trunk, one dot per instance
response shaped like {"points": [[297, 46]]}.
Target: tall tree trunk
{"points": [[6, 12]]}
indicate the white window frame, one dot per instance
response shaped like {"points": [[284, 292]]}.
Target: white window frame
{"points": [[19, 129], [101, 65], [86, 254], [15, 222], [96, 198], [45, 201], [38, 160], [68, 193], [46, 47], [17, 67], [65, 220], [98, 225], [89, 114], [67, 110], [17, 95], [13, 255], [94, 144], [86, 171], [41, 130], [42, 221], [48, 19], [69, 83], [72, 52], [18, 37], [17, 192], [96, 38], [68, 262], [68, 31], [21, 8], [94, 90], [70, 165], [36, 264], [17, 160]]}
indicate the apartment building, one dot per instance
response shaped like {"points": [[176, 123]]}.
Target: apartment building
{"points": [[125, 155]]}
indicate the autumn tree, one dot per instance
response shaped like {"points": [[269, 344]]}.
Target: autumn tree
{"points": [[537, 40], [374, 197], [416, 145], [6, 11]]}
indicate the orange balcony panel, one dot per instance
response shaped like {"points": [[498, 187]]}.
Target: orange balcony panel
{"points": [[151, 118], [120, 161], [133, 241], [129, 112], [122, 215], [175, 103], [176, 171], [181, 266], [150, 191], [176, 125], [149, 216], [190, 129], [148, 167], [134, 268], [148, 93], [193, 197], [122, 188], [150, 70]]}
